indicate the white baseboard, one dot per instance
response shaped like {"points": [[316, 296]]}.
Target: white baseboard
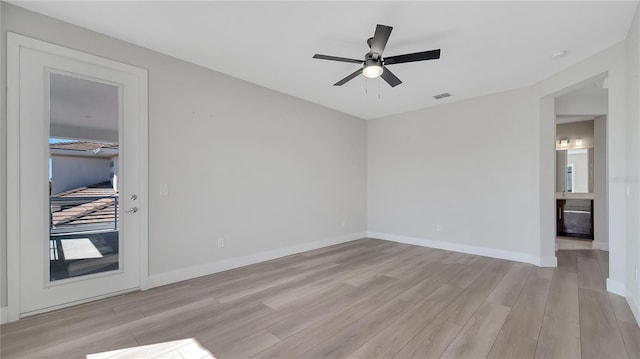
{"points": [[616, 287], [546, 261], [3, 315], [604, 246], [635, 309], [156, 280], [465, 248]]}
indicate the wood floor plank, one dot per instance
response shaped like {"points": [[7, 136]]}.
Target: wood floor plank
{"points": [[77, 324], [295, 317], [568, 261], [248, 346], [290, 326], [362, 299], [453, 258], [621, 308], [631, 336], [465, 305], [394, 337], [310, 336], [439, 275], [59, 348], [589, 274], [600, 336], [470, 272], [364, 276], [197, 320], [527, 313], [560, 331], [510, 345], [81, 349], [477, 336], [194, 350], [431, 341], [346, 341], [506, 292], [313, 285], [159, 350], [304, 286]]}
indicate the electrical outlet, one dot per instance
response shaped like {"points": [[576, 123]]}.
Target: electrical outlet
{"points": [[439, 228], [221, 242], [343, 223], [164, 190]]}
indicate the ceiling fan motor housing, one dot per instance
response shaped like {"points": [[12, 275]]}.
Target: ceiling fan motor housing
{"points": [[372, 59]]}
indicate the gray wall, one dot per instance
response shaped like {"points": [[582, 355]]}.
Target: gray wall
{"points": [[469, 166], [262, 169], [582, 129], [69, 172], [600, 213]]}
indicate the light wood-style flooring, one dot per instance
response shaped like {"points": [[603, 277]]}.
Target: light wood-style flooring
{"points": [[358, 300]]}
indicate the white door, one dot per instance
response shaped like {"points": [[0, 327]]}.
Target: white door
{"points": [[87, 240]]}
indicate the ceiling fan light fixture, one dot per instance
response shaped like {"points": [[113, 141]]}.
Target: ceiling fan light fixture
{"points": [[372, 69], [374, 65]]}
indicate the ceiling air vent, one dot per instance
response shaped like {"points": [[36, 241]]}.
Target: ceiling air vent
{"points": [[442, 95]]}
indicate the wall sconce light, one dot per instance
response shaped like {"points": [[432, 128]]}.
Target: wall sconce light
{"points": [[578, 141], [564, 142]]}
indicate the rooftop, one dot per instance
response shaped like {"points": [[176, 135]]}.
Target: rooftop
{"points": [[82, 146], [92, 206]]}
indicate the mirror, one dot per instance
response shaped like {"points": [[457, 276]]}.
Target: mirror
{"points": [[574, 170]]}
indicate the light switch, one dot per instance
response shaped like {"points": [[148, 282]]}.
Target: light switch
{"points": [[164, 189]]}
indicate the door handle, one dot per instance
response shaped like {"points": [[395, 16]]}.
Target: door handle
{"points": [[132, 210]]}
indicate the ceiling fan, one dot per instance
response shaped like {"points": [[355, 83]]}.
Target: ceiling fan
{"points": [[374, 63]]}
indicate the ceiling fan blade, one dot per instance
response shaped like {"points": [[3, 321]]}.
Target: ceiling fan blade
{"points": [[380, 38], [335, 58], [391, 79], [348, 78], [417, 56]]}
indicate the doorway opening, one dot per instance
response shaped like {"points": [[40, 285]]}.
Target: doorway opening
{"points": [[581, 176]]}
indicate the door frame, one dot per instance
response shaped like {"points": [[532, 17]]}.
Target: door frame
{"points": [[14, 43], [548, 140]]}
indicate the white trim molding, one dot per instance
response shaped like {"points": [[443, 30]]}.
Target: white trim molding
{"points": [[616, 287], [546, 261], [3, 315], [635, 308], [469, 249], [156, 280], [604, 246]]}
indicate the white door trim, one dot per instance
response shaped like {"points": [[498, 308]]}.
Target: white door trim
{"points": [[14, 43]]}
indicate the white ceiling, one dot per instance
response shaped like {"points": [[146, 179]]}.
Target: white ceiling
{"points": [[486, 47], [84, 108], [584, 103]]}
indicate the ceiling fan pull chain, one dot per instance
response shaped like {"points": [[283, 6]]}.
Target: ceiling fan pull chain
{"points": [[378, 88], [366, 86]]}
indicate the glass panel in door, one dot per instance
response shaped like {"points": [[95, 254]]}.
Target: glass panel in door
{"points": [[83, 178]]}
